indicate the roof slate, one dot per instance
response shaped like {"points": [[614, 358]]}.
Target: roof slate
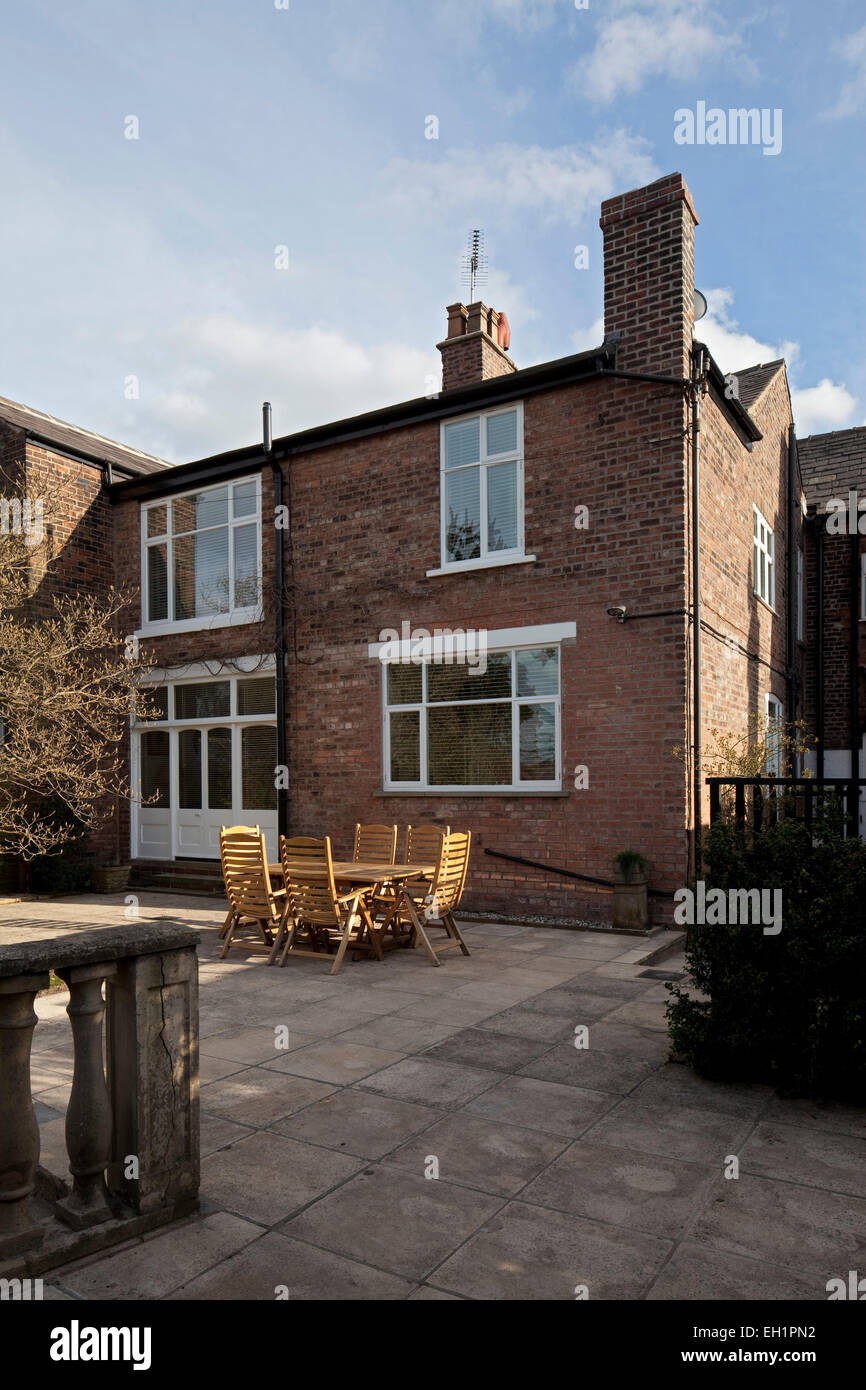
{"points": [[81, 441]]}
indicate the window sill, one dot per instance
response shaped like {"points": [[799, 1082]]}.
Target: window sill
{"points": [[764, 604], [459, 795], [465, 566], [218, 620]]}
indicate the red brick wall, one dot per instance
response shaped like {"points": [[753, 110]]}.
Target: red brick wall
{"points": [[733, 479], [366, 530]]}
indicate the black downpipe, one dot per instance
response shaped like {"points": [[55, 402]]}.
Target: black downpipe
{"points": [[279, 624], [819, 642], [698, 371], [793, 590], [854, 661]]}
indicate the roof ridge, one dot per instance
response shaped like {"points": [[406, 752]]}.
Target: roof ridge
{"points": [[58, 423]]}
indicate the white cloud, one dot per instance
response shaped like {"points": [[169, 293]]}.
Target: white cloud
{"points": [[553, 183], [525, 16], [816, 409], [732, 347], [311, 375], [852, 94], [586, 338], [643, 39], [827, 406]]}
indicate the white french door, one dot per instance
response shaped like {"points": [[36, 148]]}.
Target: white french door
{"points": [[198, 775]]}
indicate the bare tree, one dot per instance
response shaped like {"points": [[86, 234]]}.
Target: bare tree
{"points": [[67, 677]]}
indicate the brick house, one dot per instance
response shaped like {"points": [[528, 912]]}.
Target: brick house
{"points": [[550, 515], [834, 632]]}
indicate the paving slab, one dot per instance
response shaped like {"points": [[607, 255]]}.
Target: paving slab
{"points": [[529, 1253], [590, 1068], [278, 1268], [786, 1224], [358, 1122], [544, 1105], [813, 1157], [394, 1220], [693, 1133], [529, 1023], [398, 1034], [266, 1176], [258, 1097], [219, 1134], [677, 1084], [155, 1267], [497, 1158], [477, 1047], [695, 1273], [429, 1082], [642, 1192], [334, 1059], [252, 1045]]}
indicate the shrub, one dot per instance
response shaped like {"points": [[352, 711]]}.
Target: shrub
{"points": [[788, 1009]]}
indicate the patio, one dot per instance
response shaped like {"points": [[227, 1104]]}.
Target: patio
{"points": [[397, 1132]]}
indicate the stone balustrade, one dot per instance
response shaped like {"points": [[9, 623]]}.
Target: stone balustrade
{"points": [[132, 1126]]}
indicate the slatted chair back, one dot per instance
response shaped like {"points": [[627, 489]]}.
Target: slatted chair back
{"points": [[425, 844], [451, 879], [375, 844], [308, 868], [245, 870]]}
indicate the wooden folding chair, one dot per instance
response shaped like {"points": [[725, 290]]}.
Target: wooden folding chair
{"points": [[375, 843], [316, 914], [429, 900], [253, 901], [444, 897]]}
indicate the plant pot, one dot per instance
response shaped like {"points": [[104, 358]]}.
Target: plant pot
{"points": [[630, 905], [110, 878]]}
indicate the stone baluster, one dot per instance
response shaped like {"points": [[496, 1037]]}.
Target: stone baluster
{"points": [[88, 1119], [19, 1132]]}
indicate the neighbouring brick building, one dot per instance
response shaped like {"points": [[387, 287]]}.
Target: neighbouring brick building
{"points": [[551, 511]]}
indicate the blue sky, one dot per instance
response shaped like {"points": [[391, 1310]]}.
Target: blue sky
{"points": [[304, 127]]}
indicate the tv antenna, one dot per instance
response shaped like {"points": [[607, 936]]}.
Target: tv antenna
{"points": [[475, 263]]}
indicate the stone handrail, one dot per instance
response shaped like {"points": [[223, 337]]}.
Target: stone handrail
{"points": [[132, 1128]]}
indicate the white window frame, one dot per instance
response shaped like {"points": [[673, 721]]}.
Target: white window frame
{"points": [[801, 592], [763, 559], [509, 640], [774, 711], [250, 668], [235, 615], [486, 559]]}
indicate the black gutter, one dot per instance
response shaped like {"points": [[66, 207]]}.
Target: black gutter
{"points": [[92, 460], [583, 366], [819, 642], [566, 873], [697, 788], [279, 627]]}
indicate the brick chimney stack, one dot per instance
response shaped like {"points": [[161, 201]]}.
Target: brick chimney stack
{"points": [[649, 276], [475, 347]]}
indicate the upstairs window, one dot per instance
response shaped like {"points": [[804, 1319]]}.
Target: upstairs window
{"points": [[201, 557], [482, 488], [764, 560]]}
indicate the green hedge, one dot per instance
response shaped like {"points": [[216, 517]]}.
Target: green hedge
{"points": [[788, 1009]]}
